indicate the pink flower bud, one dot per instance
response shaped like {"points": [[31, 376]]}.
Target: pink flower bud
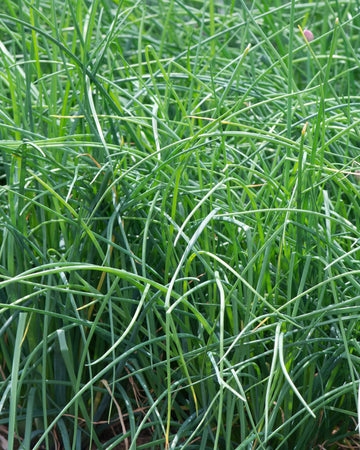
{"points": [[309, 36]]}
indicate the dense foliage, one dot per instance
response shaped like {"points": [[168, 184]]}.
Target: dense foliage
{"points": [[179, 224]]}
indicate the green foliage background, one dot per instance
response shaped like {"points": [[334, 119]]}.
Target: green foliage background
{"points": [[179, 222]]}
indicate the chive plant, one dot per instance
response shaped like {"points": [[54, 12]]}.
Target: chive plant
{"points": [[179, 224]]}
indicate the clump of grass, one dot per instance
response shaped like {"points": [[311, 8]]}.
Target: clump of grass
{"points": [[179, 225]]}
